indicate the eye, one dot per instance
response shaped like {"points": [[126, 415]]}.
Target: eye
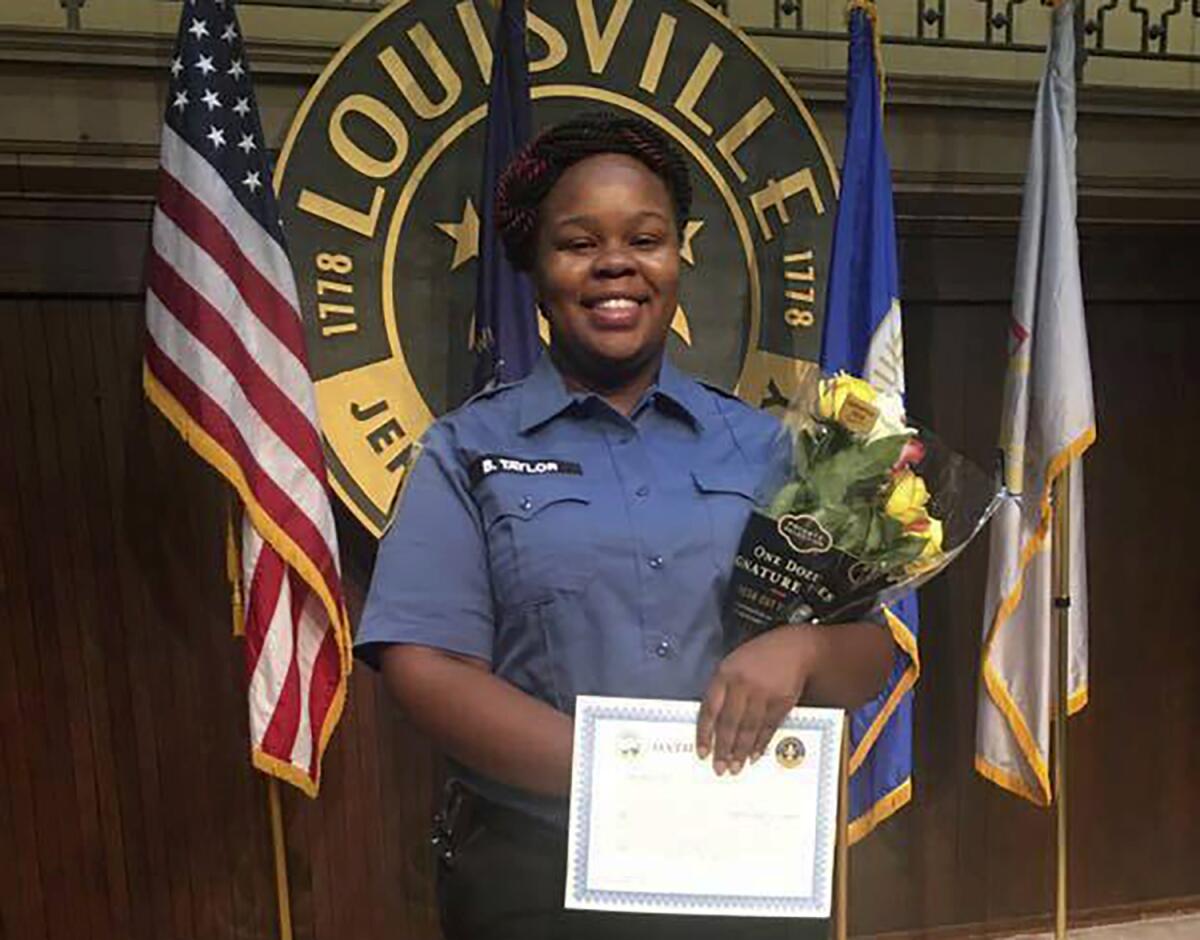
{"points": [[647, 240], [576, 244]]}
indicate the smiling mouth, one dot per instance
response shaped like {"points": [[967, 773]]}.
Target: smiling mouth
{"points": [[615, 311]]}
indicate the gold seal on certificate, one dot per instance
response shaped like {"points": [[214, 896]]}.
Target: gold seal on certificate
{"points": [[654, 830]]}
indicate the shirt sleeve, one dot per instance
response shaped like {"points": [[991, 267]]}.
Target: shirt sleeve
{"points": [[431, 584]]}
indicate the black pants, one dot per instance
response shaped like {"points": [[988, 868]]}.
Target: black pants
{"points": [[505, 876]]}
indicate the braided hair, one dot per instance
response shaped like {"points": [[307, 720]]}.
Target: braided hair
{"points": [[535, 169]]}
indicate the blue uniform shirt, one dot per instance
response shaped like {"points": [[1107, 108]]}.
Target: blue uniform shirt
{"points": [[578, 551]]}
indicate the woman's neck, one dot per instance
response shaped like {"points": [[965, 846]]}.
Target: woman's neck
{"points": [[622, 390]]}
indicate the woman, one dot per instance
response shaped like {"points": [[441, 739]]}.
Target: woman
{"points": [[573, 534]]}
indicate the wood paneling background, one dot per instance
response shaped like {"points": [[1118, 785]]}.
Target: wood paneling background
{"points": [[127, 805]]}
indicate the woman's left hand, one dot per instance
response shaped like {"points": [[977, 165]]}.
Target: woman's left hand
{"points": [[843, 665], [751, 692]]}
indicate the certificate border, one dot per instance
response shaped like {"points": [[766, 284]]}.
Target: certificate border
{"points": [[591, 710]]}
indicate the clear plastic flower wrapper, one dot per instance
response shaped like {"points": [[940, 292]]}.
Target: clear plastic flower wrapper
{"points": [[872, 508]]}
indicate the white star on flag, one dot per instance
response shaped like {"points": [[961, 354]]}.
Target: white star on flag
{"points": [[235, 69], [176, 66], [242, 108], [230, 33], [212, 99], [216, 136], [252, 182], [181, 100], [199, 28], [204, 64], [246, 144]]}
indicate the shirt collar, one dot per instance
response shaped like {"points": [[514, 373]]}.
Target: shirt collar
{"points": [[681, 390], [544, 395]]}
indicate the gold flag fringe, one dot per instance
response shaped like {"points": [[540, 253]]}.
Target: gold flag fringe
{"points": [[233, 570]]}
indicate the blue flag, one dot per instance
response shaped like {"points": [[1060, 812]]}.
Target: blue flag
{"points": [[506, 329], [862, 335]]}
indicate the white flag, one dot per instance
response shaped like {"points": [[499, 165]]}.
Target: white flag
{"points": [[1048, 422]]}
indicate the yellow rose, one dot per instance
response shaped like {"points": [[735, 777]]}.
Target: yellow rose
{"points": [[933, 539], [836, 389], [931, 531], [906, 502]]}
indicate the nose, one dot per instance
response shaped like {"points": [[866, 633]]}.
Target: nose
{"points": [[616, 260]]}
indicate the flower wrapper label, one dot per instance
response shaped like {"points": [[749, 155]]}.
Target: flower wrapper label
{"points": [[857, 415], [787, 571]]}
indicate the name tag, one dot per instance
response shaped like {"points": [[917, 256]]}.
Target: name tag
{"points": [[487, 464]]}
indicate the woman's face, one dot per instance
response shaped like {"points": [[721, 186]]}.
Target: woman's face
{"points": [[606, 268]]}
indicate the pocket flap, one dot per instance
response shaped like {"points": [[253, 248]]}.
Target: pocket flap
{"points": [[524, 497], [738, 480]]}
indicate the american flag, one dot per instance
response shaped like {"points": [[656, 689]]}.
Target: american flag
{"points": [[225, 361]]}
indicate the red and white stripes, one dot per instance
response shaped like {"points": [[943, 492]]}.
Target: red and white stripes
{"points": [[225, 361]]}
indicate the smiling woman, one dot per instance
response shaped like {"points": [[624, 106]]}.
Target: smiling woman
{"points": [[573, 534]]}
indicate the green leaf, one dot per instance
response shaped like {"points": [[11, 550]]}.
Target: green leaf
{"points": [[906, 549], [884, 453], [785, 499], [876, 535], [853, 536]]}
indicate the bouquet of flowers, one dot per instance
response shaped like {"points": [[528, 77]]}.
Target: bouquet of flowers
{"points": [[871, 508]]}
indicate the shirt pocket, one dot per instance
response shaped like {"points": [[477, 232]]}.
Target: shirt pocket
{"points": [[536, 529], [729, 494]]}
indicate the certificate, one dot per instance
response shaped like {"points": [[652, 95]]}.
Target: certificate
{"points": [[654, 829]]}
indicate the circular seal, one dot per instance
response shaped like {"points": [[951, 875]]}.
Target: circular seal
{"points": [[629, 746], [379, 178], [790, 752]]}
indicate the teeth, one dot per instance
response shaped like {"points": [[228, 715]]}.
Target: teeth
{"points": [[616, 303]]}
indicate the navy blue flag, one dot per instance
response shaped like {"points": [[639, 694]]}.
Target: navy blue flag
{"points": [[506, 329], [862, 336]]}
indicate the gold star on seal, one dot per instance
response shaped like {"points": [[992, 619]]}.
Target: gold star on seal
{"points": [[465, 235], [690, 230]]}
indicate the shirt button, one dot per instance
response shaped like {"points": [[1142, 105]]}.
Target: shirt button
{"points": [[642, 491], [655, 562], [663, 649], [526, 504]]}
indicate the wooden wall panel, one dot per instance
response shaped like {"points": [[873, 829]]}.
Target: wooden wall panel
{"points": [[127, 804], [132, 809]]}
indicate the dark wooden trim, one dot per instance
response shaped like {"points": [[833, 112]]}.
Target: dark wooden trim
{"points": [[1091, 917]]}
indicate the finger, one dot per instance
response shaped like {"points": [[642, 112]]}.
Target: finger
{"points": [[714, 698], [727, 723], [774, 717], [747, 732]]}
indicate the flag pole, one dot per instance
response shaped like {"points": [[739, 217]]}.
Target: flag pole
{"points": [[282, 896], [1061, 553], [841, 887]]}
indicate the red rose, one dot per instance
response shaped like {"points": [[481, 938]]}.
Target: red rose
{"points": [[911, 454]]}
